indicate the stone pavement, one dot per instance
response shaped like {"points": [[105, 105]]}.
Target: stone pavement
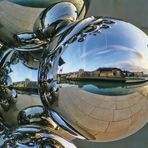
{"points": [[106, 118]]}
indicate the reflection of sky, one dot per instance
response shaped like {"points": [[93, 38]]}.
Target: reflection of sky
{"points": [[122, 46], [79, 56], [20, 72]]}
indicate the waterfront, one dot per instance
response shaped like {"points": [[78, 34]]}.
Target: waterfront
{"points": [[104, 81], [104, 87]]}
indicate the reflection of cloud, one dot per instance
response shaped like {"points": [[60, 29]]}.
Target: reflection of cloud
{"points": [[131, 50], [92, 52], [97, 53], [131, 66], [113, 48]]}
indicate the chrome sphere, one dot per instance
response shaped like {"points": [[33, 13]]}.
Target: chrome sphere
{"points": [[18, 82], [53, 19], [96, 77], [12, 23]]}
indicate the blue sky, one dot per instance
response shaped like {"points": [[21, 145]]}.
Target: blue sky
{"points": [[20, 72]]}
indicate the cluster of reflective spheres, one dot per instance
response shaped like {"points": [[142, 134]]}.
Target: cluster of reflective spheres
{"points": [[82, 69]]}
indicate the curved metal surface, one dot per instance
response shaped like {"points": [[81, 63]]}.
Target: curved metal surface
{"points": [[50, 120], [55, 18], [18, 72], [13, 23], [96, 59], [29, 42], [32, 136], [31, 115], [3, 132], [46, 3]]}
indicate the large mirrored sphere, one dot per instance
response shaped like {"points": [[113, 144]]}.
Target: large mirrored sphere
{"points": [[101, 71]]}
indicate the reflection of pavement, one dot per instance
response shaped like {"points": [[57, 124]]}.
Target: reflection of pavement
{"points": [[23, 101], [103, 117]]}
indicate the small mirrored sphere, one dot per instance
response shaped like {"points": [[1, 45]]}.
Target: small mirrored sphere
{"points": [[96, 78], [54, 19], [18, 83], [12, 23]]}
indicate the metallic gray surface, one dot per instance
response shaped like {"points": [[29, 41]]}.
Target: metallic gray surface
{"points": [[50, 120], [54, 19], [31, 136], [13, 23], [29, 42]]}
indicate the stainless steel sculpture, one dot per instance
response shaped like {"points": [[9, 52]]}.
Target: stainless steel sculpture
{"points": [[91, 75]]}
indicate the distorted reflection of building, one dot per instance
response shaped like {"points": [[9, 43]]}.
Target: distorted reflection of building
{"points": [[133, 74], [101, 74], [27, 84]]}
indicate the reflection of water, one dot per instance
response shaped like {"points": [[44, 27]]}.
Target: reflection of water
{"points": [[33, 93], [105, 88], [107, 91], [67, 85]]}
